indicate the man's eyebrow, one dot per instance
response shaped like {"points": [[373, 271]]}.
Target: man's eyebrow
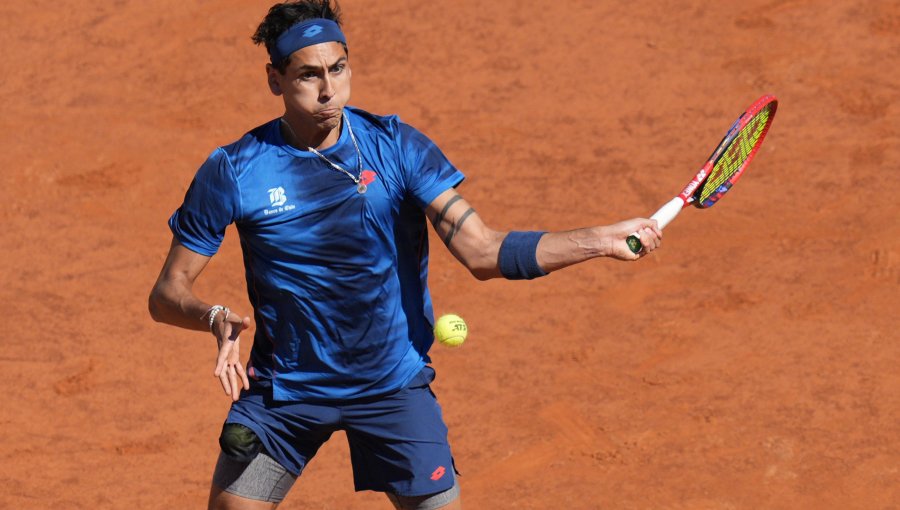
{"points": [[312, 67]]}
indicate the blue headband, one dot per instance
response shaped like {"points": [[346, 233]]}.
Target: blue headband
{"points": [[306, 33]]}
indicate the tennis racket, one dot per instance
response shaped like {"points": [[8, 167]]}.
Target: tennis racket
{"points": [[723, 168]]}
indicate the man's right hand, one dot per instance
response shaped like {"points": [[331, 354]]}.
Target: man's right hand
{"points": [[616, 234], [229, 369], [172, 301]]}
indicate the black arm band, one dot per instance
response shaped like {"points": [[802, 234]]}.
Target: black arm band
{"points": [[518, 256]]}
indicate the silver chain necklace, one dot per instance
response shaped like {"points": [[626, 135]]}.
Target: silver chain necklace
{"points": [[360, 186]]}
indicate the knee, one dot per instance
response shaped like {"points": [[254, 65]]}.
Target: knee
{"points": [[239, 442]]}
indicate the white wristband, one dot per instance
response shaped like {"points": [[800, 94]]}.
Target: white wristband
{"points": [[213, 311]]}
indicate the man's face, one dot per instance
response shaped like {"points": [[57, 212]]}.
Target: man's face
{"points": [[315, 85]]}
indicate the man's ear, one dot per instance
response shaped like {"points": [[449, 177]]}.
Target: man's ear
{"points": [[271, 76]]}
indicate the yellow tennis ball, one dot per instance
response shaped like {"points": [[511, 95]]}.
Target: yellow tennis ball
{"points": [[451, 330]]}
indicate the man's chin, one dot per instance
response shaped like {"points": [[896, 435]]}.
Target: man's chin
{"points": [[329, 123]]}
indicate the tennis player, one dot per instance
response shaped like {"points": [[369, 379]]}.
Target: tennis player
{"points": [[330, 203]]}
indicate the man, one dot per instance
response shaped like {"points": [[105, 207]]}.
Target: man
{"points": [[330, 204]]}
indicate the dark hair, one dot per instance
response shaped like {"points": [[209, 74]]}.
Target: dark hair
{"points": [[285, 15]]}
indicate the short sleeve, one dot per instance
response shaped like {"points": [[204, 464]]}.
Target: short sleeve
{"points": [[211, 203], [427, 172]]}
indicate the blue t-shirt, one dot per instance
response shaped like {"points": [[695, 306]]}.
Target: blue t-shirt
{"points": [[337, 279]]}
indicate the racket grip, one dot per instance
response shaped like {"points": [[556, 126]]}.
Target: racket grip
{"points": [[663, 217], [634, 243]]}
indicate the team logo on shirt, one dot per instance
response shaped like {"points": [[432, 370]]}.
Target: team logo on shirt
{"points": [[277, 198]]}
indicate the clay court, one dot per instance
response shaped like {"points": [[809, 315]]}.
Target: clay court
{"points": [[751, 363]]}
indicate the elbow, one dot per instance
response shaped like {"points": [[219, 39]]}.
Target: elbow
{"points": [[484, 267], [154, 307], [483, 274], [483, 261]]}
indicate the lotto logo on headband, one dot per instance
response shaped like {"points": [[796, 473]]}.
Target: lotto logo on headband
{"points": [[306, 33], [313, 31]]}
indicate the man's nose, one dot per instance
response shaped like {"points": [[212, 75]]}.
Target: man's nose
{"points": [[326, 92]]}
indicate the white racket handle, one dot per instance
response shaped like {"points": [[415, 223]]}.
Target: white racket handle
{"points": [[663, 217], [667, 213]]}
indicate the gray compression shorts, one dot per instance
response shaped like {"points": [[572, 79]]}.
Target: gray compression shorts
{"points": [[264, 479]]}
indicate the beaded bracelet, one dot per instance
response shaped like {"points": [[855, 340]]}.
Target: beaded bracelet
{"points": [[213, 311]]}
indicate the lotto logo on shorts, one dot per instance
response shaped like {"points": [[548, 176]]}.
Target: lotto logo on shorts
{"points": [[438, 473]]}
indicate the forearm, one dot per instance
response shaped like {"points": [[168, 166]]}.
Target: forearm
{"points": [[172, 301], [175, 304], [527, 255], [557, 250]]}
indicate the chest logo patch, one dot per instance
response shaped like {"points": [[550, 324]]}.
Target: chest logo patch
{"points": [[277, 196], [277, 199]]}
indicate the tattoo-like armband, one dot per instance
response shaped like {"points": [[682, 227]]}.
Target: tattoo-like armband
{"points": [[518, 256], [454, 229], [440, 217]]}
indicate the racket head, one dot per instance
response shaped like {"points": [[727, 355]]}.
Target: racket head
{"points": [[730, 159]]}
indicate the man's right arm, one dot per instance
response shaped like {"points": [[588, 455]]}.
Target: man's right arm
{"points": [[172, 301], [479, 247]]}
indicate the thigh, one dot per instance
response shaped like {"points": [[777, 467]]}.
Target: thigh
{"points": [[290, 432], [398, 443], [260, 483]]}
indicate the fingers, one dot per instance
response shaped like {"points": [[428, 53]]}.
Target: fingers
{"points": [[231, 374], [226, 384], [230, 382], [230, 330], [651, 238], [654, 226], [236, 325], [242, 373], [650, 235], [233, 382], [222, 358]]}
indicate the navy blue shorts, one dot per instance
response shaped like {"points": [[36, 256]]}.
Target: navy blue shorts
{"points": [[398, 442]]}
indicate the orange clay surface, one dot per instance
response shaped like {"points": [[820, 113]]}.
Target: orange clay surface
{"points": [[751, 363]]}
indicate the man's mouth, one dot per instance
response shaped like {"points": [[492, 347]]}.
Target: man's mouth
{"points": [[328, 113]]}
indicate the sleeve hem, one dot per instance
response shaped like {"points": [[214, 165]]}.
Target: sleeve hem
{"points": [[193, 246], [441, 187]]}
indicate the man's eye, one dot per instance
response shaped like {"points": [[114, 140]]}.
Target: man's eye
{"points": [[307, 76], [338, 69]]}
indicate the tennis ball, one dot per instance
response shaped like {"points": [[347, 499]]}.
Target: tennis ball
{"points": [[451, 330]]}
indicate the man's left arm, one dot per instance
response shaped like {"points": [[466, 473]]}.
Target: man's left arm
{"points": [[478, 247]]}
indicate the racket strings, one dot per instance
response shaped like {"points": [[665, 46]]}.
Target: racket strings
{"points": [[734, 158]]}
